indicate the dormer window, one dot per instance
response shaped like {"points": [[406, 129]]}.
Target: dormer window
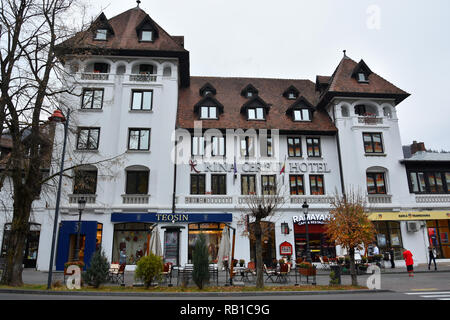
{"points": [[362, 77], [207, 89], [146, 35], [101, 34], [249, 92], [208, 112], [255, 114], [291, 93], [302, 115]]}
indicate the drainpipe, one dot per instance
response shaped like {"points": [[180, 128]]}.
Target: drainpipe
{"points": [[339, 153]]}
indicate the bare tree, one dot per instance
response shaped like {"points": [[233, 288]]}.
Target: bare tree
{"points": [[33, 79], [260, 208]]}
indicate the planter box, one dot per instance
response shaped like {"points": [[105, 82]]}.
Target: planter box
{"points": [[307, 271]]}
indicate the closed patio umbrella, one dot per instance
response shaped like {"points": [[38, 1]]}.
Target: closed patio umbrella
{"points": [[224, 248], [155, 243]]}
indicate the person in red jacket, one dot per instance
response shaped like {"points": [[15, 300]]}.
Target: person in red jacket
{"points": [[407, 255]]}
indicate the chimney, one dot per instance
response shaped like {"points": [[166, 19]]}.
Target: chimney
{"points": [[417, 146]]}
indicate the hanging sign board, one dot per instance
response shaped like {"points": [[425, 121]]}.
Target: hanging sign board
{"points": [[286, 249]]}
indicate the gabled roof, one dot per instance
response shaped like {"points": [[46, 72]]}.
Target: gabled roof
{"points": [[125, 41], [289, 90], [256, 101], [207, 87], [301, 102], [249, 88], [101, 23], [342, 83], [208, 101], [361, 67]]}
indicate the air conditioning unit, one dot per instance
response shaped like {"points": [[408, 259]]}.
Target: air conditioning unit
{"points": [[412, 226]]}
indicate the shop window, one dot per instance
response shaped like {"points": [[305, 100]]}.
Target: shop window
{"points": [[316, 185], [294, 147], [389, 236], [319, 243], [31, 244], [268, 242], [213, 234], [296, 184], [438, 237], [134, 238], [313, 147], [248, 184]]}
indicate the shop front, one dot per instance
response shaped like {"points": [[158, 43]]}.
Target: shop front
{"points": [[319, 243], [31, 244], [89, 241], [132, 232], [388, 226]]}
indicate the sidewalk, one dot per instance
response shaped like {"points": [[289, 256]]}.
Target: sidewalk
{"points": [[31, 276]]}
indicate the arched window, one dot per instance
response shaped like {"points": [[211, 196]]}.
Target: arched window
{"points": [[376, 178], [344, 111], [365, 110], [387, 112], [167, 71], [137, 178]]}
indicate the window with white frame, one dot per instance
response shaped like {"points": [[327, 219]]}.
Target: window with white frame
{"points": [[302, 115], [208, 112]]}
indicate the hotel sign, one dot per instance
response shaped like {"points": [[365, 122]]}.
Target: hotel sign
{"points": [[256, 167]]}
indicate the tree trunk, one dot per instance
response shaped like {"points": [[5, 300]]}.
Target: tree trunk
{"points": [[353, 267], [259, 260], [12, 274]]}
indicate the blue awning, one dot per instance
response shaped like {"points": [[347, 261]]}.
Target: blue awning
{"points": [[171, 217]]}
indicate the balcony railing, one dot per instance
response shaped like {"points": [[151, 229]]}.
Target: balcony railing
{"points": [[213, 199], [143, 77], [435, 198], [370, 120], [311, 199], [379, 198], [135, 198], [94, 76], [90, 198]]}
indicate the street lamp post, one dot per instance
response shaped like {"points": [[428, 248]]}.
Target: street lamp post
{"points": [[81, 206], [57, 117], [305, 207]]}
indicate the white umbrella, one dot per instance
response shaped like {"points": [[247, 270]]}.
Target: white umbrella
{"points": [[155, 243], [224, 248]]}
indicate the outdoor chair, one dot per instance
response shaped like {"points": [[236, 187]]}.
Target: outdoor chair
{"points": [[113, 270], [185, 274], [325, 263], [283, 275], [214, 273], [167, 272], [270, 273], [120, 276], [251, 269]]}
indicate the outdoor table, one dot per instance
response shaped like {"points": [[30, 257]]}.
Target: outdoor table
{"points": [[242, 272]]}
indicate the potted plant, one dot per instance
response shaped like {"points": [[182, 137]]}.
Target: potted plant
{"points": [[341, 260], [281, 262], [307, 269], [241, 262]]}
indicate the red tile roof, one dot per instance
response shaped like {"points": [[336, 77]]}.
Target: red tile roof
{"points": [[270, 91], [343, 84]]}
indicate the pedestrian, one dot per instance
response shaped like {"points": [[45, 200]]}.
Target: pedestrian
{"points": [[407, 255], [432, 255], [376, 251], [391, 254]]}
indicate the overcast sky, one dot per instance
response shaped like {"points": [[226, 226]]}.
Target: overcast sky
{"points": [[406, 42]]}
